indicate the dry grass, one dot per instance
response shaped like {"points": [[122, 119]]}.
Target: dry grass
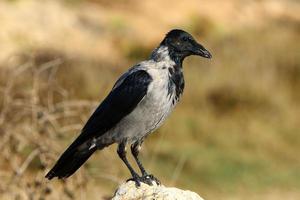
{"points": [[235, 135]]}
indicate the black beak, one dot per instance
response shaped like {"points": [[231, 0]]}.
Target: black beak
{"points": [[199, 50]]}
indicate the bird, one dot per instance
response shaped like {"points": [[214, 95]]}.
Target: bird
{"points": [[139, 102]]}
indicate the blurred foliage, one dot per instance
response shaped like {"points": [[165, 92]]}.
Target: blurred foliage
{"points": [[234, 135], [201, 26]]}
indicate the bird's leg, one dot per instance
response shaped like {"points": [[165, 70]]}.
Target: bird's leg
{"points": [[147, 178], [122, 154], [135, 150]]}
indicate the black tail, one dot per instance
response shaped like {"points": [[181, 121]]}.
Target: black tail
{"points": [[69, 162]]}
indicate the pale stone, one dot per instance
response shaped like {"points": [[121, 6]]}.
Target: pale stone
{"points": [[129, 191]]}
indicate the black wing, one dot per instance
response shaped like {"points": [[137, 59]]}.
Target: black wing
{"points": [[119, 103]]}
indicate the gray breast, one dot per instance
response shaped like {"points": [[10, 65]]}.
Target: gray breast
{"points": [[150, 112]]}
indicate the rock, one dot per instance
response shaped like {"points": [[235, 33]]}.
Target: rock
{"points": [[129, 191]]}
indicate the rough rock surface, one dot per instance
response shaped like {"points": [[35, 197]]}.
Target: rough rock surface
{"points": [[128, 191]]}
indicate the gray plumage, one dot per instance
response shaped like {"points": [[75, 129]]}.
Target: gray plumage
{"points": [[138, 104], [155, 106]]}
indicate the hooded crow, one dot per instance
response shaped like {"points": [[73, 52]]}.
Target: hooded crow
{"points": [[139, 102]]}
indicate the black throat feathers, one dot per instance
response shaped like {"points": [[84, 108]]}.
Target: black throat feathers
{"points": [[176, 80]]}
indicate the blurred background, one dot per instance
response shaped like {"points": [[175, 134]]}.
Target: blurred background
{"points": [[234, 135]]}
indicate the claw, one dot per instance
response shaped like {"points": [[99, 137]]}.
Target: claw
{"points": [[153, 178], [137, 181], [147, 179]]}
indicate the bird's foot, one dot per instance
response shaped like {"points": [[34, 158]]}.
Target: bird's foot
{"points": [[149, 178], [136, 179]]}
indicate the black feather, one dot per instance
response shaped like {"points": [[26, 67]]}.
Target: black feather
{"points": [[176, 80], [119, 103], [69, 162]]}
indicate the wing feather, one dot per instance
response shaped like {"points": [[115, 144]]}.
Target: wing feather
{"points": [[120, 102]]}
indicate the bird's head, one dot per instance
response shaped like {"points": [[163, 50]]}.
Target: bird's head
{"points": [[181, 44]]}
